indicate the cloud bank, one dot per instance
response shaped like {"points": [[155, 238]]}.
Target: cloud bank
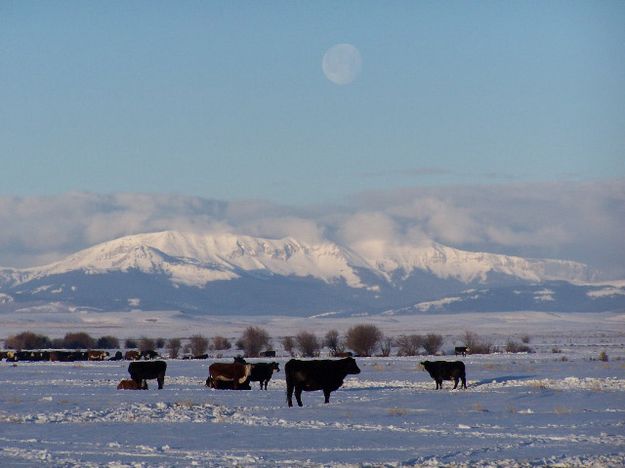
{"points": [[574, 220]]}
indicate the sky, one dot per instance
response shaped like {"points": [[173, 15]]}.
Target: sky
{"points": [[226, 104]]}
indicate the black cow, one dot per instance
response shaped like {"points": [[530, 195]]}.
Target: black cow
{"points": [[149, 354], [262, 372], [140, 371], [444, 370], [326, 375], [461, 350]]}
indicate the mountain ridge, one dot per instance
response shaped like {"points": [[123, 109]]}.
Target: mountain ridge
{"points": [[230, 272]]}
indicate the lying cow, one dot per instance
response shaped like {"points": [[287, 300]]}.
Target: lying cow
{"points": [[128, 384], [326, 375], [235, 376], [463, 350], [262, 372], [140, 371], [94, 355], [444, 370]]}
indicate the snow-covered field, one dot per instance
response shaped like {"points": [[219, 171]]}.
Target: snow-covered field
{"points": [[557, 409]]}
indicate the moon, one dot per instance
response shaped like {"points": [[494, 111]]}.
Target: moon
{"points": [[341, 64]]}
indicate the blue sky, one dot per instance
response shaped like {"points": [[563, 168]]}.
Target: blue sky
{"points": [[227, 100]]}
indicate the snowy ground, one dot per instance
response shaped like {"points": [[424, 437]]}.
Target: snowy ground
{"points": [[564, 409]]}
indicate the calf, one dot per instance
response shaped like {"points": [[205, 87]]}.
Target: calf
{"points": [[463, 350], [140, 371], [444, 370], [326, 375], [130, 385], [262, 372]]}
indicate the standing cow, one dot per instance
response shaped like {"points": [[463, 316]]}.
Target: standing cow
{"points": [[444, 370], [140, 371], [262, 372], [326, 375]]}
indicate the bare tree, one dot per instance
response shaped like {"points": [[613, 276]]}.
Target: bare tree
{"points": [[220, 342], [363, 339], [432, 343], [130, 343], [78, 340], [253, 340], [173, 346], [386, 346], [308, 344], [476, 344], [409, 345], [288, 343], [198, 344], [27, 340], [107, 342], [333, 341], [146, 344]]}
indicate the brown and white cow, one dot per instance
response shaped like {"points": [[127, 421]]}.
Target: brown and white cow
{"points": [[233, 375], [96, 355]]}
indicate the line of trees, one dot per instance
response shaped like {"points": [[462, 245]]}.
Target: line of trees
{"points": [[361, 340]]}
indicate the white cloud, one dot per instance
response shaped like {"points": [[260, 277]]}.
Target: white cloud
{"points": [[578, 221]]}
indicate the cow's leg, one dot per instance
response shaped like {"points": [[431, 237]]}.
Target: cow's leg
{"points": [[161, 381], [326, 394], [289, 393], [464, 382], [298, 395], [439, 385], [456, 382]]}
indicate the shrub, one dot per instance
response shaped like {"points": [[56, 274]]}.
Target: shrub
{"points": [[475, 343], [146, 344], [432, 343], [173, 347], [160, 343], [56, 343], [514, 347], [334, 343], [131, 343], [27, 340], [220, 342], [603, 356], [386, 346], [79, 340], [409, 344], [363, 339], [107, 342], [253, 340], [288, 343], [198, 344], [307, 344], [525, 339]]}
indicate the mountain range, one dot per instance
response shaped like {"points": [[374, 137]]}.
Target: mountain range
{"points": [[235, 274]]}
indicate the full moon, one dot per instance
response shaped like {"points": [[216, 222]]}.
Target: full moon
{"points": [[341, 64]]}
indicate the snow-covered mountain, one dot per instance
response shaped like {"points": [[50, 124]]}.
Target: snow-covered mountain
{"points": [[225, 272]]}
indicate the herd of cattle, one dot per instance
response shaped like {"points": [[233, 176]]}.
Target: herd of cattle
{"points": [[301, 376]]}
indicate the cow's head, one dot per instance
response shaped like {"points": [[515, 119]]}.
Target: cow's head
{"points": [[425, 364], [350, 366], [275, 366]]}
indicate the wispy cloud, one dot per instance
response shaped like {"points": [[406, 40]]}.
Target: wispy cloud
{"points": [[410, 172]]}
